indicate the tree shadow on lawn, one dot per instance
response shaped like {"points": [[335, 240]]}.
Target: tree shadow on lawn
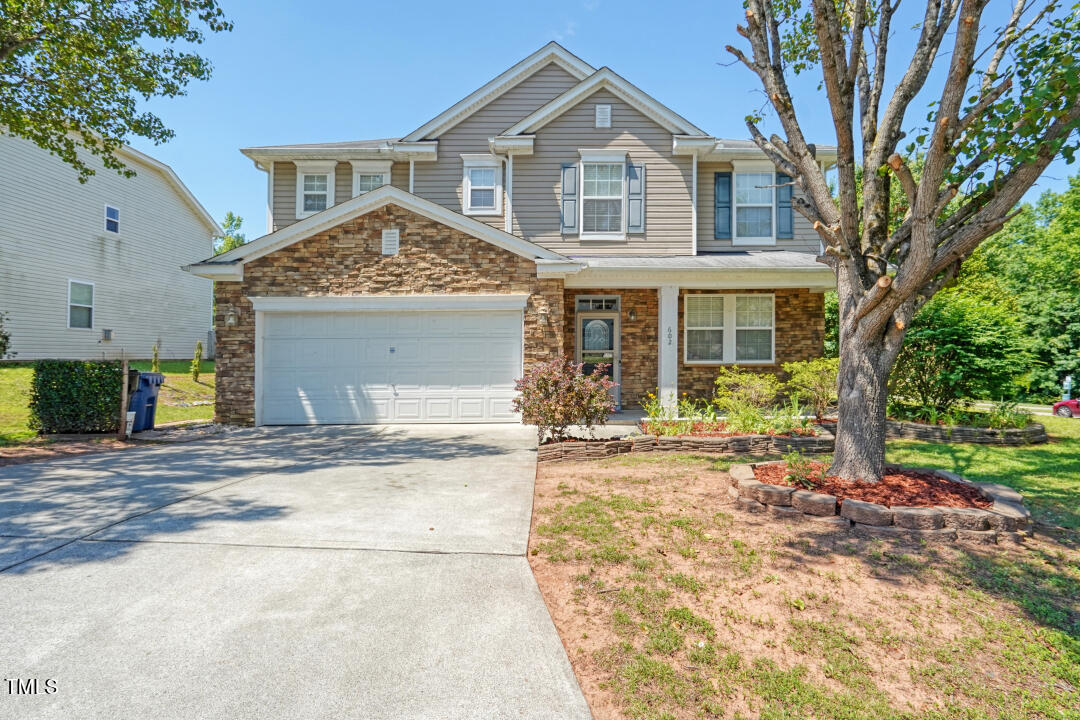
{"points": [[76, 497], [1047, 475]]}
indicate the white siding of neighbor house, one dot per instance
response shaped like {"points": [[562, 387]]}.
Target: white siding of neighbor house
{"points": [[52, 230]]}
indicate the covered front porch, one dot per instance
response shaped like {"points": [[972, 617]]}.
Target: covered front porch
{"points": [[666, 325]]}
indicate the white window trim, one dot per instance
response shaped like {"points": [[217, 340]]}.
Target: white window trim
{"points": [[729, 324], [601, 157], [746, 167], [93, 303], [480, 160], [369, 167], [314, 167], [106, 218]]}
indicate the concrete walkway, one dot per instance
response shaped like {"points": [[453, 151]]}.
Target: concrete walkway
{"points": [[333, 572]]}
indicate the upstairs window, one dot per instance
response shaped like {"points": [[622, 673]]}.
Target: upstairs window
{"points": [[80, 304], [602, 199], [112, 219], [314, 186], [754, 206], [369, 175], [482, 185]]}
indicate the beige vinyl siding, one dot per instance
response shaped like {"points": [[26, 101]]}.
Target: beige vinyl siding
{"points": [[805, 237], [538, 180], [284, 194], [342, 182], [52, 230], [440, 182], [399, 175]]}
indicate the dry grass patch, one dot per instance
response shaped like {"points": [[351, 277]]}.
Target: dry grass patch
{"points": [[672, 604]]}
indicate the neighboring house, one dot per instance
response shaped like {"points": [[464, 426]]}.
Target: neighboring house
{"points": [[556, 210], [90, 271]]}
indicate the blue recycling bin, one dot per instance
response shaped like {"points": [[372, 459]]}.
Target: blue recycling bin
{"points": [[144, 400]]}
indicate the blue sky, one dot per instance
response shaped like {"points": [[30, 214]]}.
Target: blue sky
{"points": [[295, 72]]}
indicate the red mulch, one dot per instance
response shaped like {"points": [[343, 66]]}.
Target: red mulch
{"points": [[704, 429], [898, 487]]}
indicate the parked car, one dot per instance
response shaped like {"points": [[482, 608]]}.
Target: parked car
{"points": [[1068, 408]]}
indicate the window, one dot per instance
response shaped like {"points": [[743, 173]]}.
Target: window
{"points": [[314, 186], [112, 219], [603, 116], [596, 302], [602, 199], [705, 328], [729, 329], [369, 175], [391, 241], [754, 206], [482, 185], [80, 304]]}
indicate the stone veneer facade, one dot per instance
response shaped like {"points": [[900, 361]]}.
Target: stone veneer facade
{"points": [[436, 259], [348, 260], [800, 335]]}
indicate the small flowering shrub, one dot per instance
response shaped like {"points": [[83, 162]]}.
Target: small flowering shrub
{"points": [[555, 395]]}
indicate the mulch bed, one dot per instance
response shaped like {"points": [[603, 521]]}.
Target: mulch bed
{"points": [[913, 488]]}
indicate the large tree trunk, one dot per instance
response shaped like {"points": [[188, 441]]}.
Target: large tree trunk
{"points": [[860, 427]]}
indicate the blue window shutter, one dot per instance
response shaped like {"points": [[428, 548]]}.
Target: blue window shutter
{"points": [[569, 199], [635, 198], [785, 221], [722, 210]]}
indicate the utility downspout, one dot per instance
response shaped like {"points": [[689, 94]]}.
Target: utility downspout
{"points": [[509, 220], [412, 168]]}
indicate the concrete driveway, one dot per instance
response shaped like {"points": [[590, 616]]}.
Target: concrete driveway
{"points": [[364, 572]]}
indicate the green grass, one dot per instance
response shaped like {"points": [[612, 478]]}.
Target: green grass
{"points": [[175, 401], [1047, 475], [14, 396]]}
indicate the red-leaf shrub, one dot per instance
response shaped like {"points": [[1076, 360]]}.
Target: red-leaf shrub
{"points": [[555, 395]]}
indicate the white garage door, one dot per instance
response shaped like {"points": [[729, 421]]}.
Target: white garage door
{"points": [[387, 366]]}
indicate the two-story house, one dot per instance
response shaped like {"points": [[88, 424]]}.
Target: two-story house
{"points": [[92, 270], [558, 210]]}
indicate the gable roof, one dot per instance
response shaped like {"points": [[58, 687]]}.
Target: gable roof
{"points": [[607, 79], [553, 52], [173, 179], [229, 265]]}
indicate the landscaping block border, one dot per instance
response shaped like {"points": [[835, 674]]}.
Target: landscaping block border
{"points": [[1033, 434], [1007, 519], [735, 444]]}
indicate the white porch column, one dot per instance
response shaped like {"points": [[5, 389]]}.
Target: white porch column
{"points": [[412, 172], [668, 365]]}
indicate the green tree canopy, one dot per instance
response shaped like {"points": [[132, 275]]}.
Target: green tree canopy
{"points": [[232, 238], [72, 72]]}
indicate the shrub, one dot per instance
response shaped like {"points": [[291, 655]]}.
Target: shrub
{"points": [[801, 471], [5, 339], [814, 381], [959, 346], [155, 363], [742, 387], [555, 395], [196, 361], [74, 396]]}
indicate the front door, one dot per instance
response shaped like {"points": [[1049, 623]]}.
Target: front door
{"points": [[598, 342]]}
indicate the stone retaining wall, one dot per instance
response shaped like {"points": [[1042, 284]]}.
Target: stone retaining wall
{"points": [[904, 430], [736, 444], [1006, 519]]}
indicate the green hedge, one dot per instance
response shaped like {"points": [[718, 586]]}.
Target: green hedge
{"points": [[76, 396]]}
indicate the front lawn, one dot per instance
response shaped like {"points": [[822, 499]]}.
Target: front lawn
{"points": [[180, 399], [674, 605]]}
